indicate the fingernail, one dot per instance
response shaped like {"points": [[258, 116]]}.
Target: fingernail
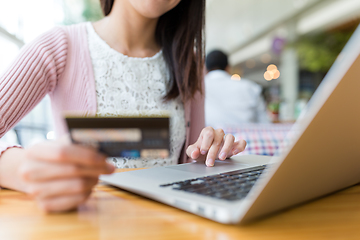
{"points": [[203, 152], [111, 168], [236, 152], [193, 152], [222, 155], [210, 162]]}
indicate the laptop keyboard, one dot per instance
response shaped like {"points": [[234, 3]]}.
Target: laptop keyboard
{"points": [[228, 186]]}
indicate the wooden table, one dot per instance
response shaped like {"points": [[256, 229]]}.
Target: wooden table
{"points": [[115, 214]]}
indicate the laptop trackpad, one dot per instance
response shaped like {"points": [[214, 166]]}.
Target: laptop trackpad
{"points": [[220, 166]]}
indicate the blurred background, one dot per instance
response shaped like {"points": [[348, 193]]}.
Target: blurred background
{"points": [[298, 39]]}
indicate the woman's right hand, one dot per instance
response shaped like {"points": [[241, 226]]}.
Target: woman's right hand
{"points": [[60, 176]]}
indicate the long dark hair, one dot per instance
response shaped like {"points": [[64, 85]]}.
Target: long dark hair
{"points": [[180, 34]]}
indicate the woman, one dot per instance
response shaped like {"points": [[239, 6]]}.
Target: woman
{"points": [[145, 55]]}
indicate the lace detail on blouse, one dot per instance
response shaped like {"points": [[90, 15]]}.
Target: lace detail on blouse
{"points": [[130, 86]]}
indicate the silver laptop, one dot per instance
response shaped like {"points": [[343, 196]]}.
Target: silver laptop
{"points": [[323, 157]]}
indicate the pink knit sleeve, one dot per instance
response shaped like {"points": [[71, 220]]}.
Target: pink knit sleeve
{"points": [[31, 76]]}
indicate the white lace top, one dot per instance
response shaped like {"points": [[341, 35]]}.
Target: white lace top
{"points": [[135, 86]]}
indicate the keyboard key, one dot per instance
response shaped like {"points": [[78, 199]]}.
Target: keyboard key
{"points": [[230, 186]]}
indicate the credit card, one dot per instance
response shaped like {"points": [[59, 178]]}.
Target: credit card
{"points": [[135, 137]]}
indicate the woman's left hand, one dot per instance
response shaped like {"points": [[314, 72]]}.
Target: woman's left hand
{"points": [[214, 144]]}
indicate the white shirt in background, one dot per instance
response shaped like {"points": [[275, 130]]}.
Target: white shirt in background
{"points": [[229, 103]]}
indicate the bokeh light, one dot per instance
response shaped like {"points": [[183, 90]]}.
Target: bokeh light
{"points": [[267, 76], [271, 73], [271, 67], [276, 74], [236, 77], [50, 135]]}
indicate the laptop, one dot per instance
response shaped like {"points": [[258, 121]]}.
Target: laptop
{"points": [[323, 157]]}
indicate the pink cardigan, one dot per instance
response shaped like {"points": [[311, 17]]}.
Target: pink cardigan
{"points": [[58, 63]]}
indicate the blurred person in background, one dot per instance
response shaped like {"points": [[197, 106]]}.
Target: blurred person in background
{"points": [[229, 103], [138, 60]]}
